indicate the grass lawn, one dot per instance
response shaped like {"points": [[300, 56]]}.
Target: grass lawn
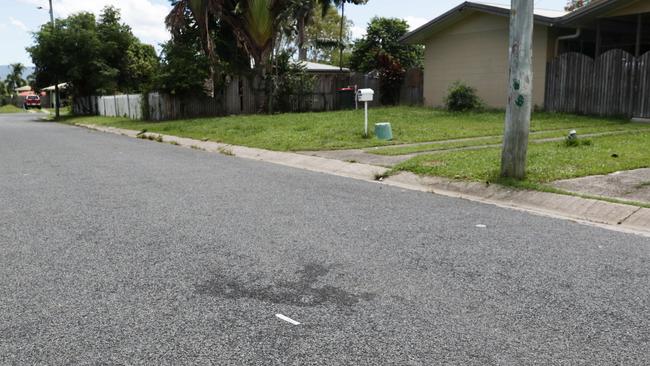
{"points": [[537, 136], [63, 111], [546, 161], [10, 108], [343, 129]]}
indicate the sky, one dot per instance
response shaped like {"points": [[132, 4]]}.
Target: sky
{"points": [[18, 18]]}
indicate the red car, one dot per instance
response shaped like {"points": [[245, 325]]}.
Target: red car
{"points": [[32, 101]]}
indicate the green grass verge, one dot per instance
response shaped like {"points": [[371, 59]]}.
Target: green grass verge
{"points": [[343, 129], [10, 108], [395, 151], [546, 161], [63, 111]]}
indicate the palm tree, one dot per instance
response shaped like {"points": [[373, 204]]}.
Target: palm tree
{"points": [[255, 23], [31, 80], [15, 78]]}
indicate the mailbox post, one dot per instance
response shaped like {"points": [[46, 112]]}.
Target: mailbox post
{"points": [[365, 96]]}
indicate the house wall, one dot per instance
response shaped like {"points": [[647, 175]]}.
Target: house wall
{"points": [[475, 50]]}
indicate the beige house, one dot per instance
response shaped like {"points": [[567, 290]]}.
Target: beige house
{"points": [[470, 43]]}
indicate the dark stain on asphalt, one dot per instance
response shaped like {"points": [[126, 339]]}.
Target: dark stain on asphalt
{"points": [[301, 292]]}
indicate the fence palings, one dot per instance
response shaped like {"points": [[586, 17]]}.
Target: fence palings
{"points": [[614, 84], [238, 97]]}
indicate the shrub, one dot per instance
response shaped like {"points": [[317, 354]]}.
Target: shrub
{"points": [[577, 142], [293, 85], [391, 76], [462, 97]]}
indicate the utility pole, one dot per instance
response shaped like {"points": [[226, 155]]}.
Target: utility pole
{"points": [[520, 85], [56, 78], [341, 36]]}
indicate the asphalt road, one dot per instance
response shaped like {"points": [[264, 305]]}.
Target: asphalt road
{"points": [[122, 251]]}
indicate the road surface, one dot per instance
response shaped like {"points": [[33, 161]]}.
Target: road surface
{"points": [[122, 251]]}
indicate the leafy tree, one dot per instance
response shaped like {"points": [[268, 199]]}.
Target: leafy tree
{"points": [[576, 4], [115, 38], [294, 84], [15, 78], [94, 57], [323, 38], [304, 13], [142, 66], [382, 37], [135, 62], [3, 89], [184, 68], [72, 51], [391, 75]]}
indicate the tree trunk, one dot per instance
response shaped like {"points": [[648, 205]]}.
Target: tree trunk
{"points": [[520, 84], [259, 87], [302, 50]]}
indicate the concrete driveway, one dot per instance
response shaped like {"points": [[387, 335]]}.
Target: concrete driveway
{"points": [[121, 251]]}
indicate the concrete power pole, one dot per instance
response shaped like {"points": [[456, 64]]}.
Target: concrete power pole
{"points": [[520, 86], [56, 79]]}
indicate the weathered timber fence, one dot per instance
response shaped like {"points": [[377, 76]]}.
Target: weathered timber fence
{"points": [[238, 97], [16, 100], [614, 84]]}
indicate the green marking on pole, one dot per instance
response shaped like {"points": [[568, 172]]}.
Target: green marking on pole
{"points": [[516, 84], [520, 101]]}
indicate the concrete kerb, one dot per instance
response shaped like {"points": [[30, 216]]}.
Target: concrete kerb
{"points": [[613, 216], [312, 163]]}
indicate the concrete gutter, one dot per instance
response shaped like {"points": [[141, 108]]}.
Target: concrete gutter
{"points": [[612, 216], [312, 163]]}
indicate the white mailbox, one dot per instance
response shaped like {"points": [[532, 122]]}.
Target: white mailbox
{"points": [[365, 95]]}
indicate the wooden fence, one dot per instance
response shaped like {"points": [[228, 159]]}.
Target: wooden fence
{"points": [[614, 84], [238, 97]]}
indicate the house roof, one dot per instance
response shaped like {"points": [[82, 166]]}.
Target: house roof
{"points": [[546, 17], [593, 10], [316, 67], [51, 88], [539, 12], [25, 88]]}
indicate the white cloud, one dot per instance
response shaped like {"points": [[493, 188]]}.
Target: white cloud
{"points": [[18, 24], [415, 22], [146, 17], [357, 32]]}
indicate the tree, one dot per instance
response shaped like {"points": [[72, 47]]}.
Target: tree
{"points": [[3, 89], [382, 37], [93, 57], [391, 75], [72, 52], [520, 79], [15, 78], [576, 4], [254, 24], [31, 80], [142, 65], [304, 12], [136, 63], [184, 68], [322, 37]]}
